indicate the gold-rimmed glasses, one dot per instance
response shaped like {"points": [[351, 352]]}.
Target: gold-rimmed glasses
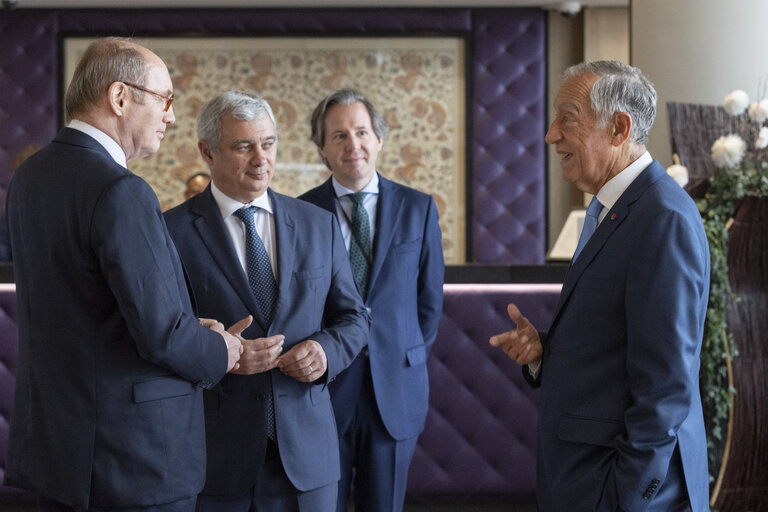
{"points": [[168, 99]]}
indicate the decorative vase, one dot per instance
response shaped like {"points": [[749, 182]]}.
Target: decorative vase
{"points": [[744, 480]]}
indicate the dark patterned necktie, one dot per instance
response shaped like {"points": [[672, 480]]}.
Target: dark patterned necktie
{"points": [[260, 276], [264, 288], [360, 245], [590, 225]]}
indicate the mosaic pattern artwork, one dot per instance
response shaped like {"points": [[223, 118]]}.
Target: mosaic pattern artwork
{"points": [[417, 83]]}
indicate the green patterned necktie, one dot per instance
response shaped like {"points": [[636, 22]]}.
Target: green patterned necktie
{"points": [[360, 245]]}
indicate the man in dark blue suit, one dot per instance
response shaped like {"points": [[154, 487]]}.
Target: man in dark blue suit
{"points": [[108, 411], [620, 418], [393, 238], [272, 442]]}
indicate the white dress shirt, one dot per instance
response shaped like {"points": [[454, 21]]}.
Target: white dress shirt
{"points": [[112, 147], [263, 220]]}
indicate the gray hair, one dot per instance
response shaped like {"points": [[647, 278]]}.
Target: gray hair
{"points": [[345, 97], [108, 60], [620, 88], [240, 105]]}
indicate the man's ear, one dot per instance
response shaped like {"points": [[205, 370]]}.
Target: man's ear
{"points": [[205, 152], [621, 126], [116, 96]]}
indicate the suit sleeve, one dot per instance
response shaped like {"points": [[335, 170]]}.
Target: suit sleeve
{"points": [[666, 299], [142, 268], [345, 319], [431, 275]]}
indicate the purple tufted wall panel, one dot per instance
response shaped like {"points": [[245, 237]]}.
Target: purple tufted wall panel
{"points": [[9, 351], [506, 109], [480, 436], [508, 183]]}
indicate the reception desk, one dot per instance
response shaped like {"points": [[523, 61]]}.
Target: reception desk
{"points": [[480, 435]]}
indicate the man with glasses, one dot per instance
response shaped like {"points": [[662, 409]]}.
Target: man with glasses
{"points": [[108, 412]]}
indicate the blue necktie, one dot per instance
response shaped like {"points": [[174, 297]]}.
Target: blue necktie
{"points": [[360, 245], [264, 288], [590, 225]]}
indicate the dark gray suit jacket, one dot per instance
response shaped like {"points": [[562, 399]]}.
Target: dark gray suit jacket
{"points": [[108, 408]]}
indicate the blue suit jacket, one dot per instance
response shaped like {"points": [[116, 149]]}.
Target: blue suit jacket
{"points": [[619, 379], [110, 349], [405, 300], [317, 300]]}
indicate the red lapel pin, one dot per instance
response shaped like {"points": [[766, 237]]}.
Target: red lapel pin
{"points": [[614, 216]]}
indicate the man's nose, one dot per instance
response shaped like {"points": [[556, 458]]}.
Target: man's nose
{"points": [[353, 142], [553, 134], [258, 157], [169, 117]]}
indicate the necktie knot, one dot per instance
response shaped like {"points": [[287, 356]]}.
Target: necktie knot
{"points": [[594, 208], [245, 214], [357, 198]]}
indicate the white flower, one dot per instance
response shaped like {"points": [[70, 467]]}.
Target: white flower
{"points": [[727, 151], [762, 138], [736, 102], [679, 173], [758, 112]]}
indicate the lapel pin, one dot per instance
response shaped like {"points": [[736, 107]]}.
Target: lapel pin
{"points": [[614, 216]]}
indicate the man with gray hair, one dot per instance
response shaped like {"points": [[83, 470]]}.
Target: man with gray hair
{"points": [[108, 412], [393, 237], [271, 438], [620, 416]]}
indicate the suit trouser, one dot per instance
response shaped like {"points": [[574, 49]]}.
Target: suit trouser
{"points": [[47, 505], [372, 462], [273, 492]]}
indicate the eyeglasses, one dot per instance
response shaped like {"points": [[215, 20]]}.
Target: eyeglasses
{"points": [[168, 99]]}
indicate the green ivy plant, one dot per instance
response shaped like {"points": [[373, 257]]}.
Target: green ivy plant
{"points": [[717, 207]]}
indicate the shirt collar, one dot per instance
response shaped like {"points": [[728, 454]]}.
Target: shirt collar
{"points": [[112, 147], [612, 190], [371, 188], [228, 206]]}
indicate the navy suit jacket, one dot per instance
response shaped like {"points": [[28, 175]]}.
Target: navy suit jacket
{"points": [[620, 371], [405, 298], [317, 300], [108, 411]]}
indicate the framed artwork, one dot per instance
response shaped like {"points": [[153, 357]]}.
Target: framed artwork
{"points": [[417, 83]]}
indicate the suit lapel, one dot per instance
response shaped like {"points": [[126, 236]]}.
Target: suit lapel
{"points": [[613, 219], [389, 209], [326, 198], [215, 236], [285, 244]]}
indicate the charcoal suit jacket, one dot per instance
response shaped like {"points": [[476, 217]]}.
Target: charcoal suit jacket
{"points": [[317, 299], [108, 408]]}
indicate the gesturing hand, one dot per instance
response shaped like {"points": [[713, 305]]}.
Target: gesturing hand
{"points": [[521, 343]]}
